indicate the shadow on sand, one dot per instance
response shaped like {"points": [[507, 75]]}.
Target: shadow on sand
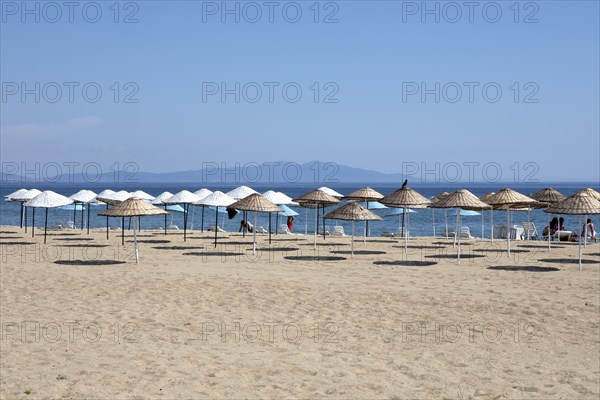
{"points": [[88, 262], [315, 258], [359, 252], [528, 268], [568, 261], [407, 263]]}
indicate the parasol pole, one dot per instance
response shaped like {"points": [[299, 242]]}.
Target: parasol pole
{"points": [[579, 244], [270, 228], [82, 213], [433, 220], [135, 244], [508, 230], [352, 239], [107, 223], [25, 219], [405, 233], [46, 225], [165, 206], [202, 225], [254, 238], [316, 222], [482, 231], [324, 222], [446, 221], [33, 222], [21, 214], [492, 225], [549, 232], [216, 224], [88, 219], [458, 229], [122, 231]]}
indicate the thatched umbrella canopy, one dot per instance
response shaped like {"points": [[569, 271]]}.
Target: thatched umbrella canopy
{"points": [[202, 193], [13, 197], [548, 195], [578, 204], [186, 198], [239, 193], [315, 199], [112, 199], [133, 207], [461, 199], [216, 199], [352, 212], [507, 199], [405, 198], [257, 203], [331, 192], [365, 194], [590, 192], [83, 197], [23, 197], [47, 199]]}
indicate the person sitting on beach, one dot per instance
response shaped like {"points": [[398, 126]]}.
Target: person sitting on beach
{"points": [[590, 229], [561, 224], [551, 229], [247, 225], [290, 223]]}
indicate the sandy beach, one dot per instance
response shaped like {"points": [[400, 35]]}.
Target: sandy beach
{"points": [[81, 320]]}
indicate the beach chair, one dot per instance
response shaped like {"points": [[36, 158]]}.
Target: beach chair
{"points": [[465, 232], [563, 236], [173, 227], [338, 231], [69, 225], [529, 231], [260, 229], [284, 229], [215, 228]]}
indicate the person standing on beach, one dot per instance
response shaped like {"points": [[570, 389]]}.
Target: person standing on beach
{"points": [[290, 223]]}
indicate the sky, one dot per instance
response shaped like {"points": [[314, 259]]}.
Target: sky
{"points": [[378, 85]]}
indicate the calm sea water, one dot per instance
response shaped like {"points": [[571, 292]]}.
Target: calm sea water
{"points": [[420, 220]]}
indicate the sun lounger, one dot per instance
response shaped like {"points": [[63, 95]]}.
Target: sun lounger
{"points": [[338, 231], [563, 236], [213, 228], [529, 231]]}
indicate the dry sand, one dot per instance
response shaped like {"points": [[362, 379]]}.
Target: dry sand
{"points": [[186, 324]]}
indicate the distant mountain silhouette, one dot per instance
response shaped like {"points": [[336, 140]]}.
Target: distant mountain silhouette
{"points": [[267, 172]]}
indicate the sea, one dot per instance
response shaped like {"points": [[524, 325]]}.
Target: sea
{"points": [[422, 222]]}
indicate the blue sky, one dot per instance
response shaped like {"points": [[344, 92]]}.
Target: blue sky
{"points": [[375, 61]]}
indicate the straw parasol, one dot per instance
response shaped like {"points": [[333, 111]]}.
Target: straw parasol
{"points": [[133, 207], [590, 192], [508, 199], [462, 199], [158, 201], [140, 194], [257, 203], [315, 199], [405, 197], [239, 193], [23, 198], [578, 204], [365, 194], [546, 197], [202, 193], [13, 197], [186, 198], [216, 199], [433, 200], [352, 212], [47, 199], [112, 199], [330, 192], [83, 197]]}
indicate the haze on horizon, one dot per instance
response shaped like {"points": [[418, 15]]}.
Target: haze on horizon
{"points": [[172, 85]]}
